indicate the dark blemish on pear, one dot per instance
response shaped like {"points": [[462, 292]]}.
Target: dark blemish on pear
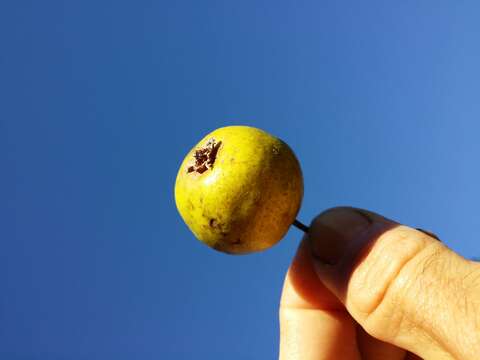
{"points": [[205, 157], [215, 224]]}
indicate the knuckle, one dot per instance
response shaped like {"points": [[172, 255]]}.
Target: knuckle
{"points": [[410, 289], [387, 277]]}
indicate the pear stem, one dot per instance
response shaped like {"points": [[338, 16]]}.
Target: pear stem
{"points": [[300, 226]]}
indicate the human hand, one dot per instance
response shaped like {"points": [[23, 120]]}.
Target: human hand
{"points": [[365, 287]]}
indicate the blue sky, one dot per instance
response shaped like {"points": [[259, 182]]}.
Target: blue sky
{"points": [[101, 100]]}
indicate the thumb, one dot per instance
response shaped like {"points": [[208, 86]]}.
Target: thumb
{"points": [[400, 284]]}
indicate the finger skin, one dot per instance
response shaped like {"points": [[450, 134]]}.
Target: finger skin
{"points": [[313, 323], [403, 286], [375, 349]]}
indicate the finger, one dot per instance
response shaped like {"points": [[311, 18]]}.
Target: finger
{"points": [[412, 356], [303, 291], [314, 325], [374, 349], [403, 286]]}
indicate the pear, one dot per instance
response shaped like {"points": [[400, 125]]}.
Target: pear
{"points": [[239, 189]]}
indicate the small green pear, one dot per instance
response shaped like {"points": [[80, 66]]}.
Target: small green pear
{"points": [[239, 189]]}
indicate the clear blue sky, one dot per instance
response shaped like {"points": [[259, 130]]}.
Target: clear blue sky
{"points": [[101, 100]]}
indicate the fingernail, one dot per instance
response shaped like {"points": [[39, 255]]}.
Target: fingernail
{"points": [[338, 239], [342, 232], [429, 233]]}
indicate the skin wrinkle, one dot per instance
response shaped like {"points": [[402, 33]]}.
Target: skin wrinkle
{"points": [[425, 320], [403, 276], [475, 283], [375, 349], [476, 325], [466, 309], [439, 321], [288, 307], [454, 294], [373, 307], [471, 285], [367, 242], [397, 302], [399, 283]]}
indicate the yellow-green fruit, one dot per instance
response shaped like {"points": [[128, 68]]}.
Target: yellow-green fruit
{"points": [[239, 189]]}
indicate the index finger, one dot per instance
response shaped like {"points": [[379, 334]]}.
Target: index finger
{"points": [[313, 323]]}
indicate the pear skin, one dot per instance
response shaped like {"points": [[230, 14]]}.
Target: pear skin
{"points": [[239, 189]]}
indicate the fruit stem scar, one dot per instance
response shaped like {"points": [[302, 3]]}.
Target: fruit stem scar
{"points": [[300, 226], [205, 157]]}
